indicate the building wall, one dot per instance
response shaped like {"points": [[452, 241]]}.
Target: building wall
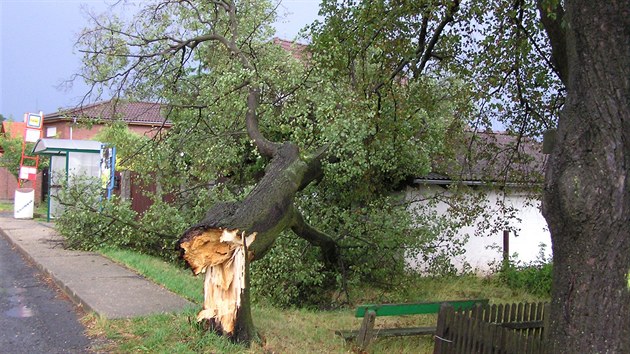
{"points": [[67, 130], [8, 183], [529, 225], [146, 130], [55, 130]]}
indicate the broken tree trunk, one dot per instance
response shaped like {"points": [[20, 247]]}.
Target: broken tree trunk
{"points": [[232, 234], [221, 254]]}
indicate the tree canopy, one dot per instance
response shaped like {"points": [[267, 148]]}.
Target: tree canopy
{"points": [[378, 124]]}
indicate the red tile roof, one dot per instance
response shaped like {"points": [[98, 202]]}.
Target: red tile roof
{"points": [[298, 50], [495, 157], [134, 113], [13, 129]]}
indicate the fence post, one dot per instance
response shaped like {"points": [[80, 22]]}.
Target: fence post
{"points": [[442, 328], [506, 248], [367, 329], [125, 185]]}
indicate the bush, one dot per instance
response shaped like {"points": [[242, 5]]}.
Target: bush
{"points": [[161, 225], [534, 277], [90, 221], [373, 240], [379, 237], [291, 275]]}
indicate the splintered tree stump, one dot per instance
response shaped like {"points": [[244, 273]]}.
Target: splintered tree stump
{"points": [[235, 233], [221, 255]]}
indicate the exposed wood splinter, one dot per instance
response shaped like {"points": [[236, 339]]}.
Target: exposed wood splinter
{"points": [[220, 253]]}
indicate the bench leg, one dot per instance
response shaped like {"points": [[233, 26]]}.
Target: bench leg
{"points": [[366, 333]]}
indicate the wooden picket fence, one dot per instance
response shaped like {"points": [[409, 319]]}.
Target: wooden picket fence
{"points": [[493, 329]]}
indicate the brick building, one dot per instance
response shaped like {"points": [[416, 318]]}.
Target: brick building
{"points": [[83, 123], [8, 182]]}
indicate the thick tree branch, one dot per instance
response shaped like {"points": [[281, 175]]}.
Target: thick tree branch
{"points": [[437, 34], [315, 237], [265, 147], [314, 169], [424, 52], [552, 22]]}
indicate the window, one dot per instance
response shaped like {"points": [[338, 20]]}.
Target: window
{"points": [[51, 132]]}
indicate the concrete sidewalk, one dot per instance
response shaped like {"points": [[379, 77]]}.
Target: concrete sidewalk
{"points": [[89, 279]]}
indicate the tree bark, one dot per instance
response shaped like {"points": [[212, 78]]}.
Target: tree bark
{"points": [[215, 245], [587, 189]]}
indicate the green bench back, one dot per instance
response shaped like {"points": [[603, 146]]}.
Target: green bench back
{"points": [[420, 308]]}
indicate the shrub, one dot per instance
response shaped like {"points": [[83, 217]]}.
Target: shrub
{"points": [[534, 277], [291, 275], [373, 240], [161, 225], [90, 221]]}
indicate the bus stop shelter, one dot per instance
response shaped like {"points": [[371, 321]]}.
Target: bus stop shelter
{"points": [[69, 159]]}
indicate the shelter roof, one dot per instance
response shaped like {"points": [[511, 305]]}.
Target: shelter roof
{"points": [[63, 146]]}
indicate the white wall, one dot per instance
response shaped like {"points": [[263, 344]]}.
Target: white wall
{"points": [[529, 232]]}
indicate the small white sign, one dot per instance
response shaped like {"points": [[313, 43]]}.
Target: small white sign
{"points": [[26, 171], [32, 135]]}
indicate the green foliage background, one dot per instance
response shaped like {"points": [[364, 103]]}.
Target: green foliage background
{"points": [[385, 108], [12, 153]]}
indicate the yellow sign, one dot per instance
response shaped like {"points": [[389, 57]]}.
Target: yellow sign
{"points": [[34, 120]]}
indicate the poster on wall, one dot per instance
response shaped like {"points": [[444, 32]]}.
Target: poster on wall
{"points": [[108, 163]]}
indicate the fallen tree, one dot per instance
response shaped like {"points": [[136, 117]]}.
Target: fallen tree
{"points": [[232, 234], [361, 128], [371, 102]]}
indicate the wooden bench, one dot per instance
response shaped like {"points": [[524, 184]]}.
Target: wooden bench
{"points": [[369, 313]]}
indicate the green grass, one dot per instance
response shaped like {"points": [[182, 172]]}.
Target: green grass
{"points": [[283, 331], [6, 206], [157, 334], [176, 279], [39, 214]]}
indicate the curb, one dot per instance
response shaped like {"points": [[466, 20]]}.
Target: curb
{"points": [[59, 284]]}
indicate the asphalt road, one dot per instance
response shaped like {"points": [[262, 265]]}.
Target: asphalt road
{"points": [[35, 317]]}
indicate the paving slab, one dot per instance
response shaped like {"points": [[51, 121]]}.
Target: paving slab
{"points": [[91, 280]]}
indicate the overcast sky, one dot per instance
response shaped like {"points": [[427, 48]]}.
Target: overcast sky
{"points": [[37, 49]]}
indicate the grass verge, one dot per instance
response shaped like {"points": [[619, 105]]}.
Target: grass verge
{"points": [[172, 277], [6, 206], [283, 331], [39, 214]]}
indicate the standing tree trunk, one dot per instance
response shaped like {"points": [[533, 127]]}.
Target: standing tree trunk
{"points": [[587, 194]]}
